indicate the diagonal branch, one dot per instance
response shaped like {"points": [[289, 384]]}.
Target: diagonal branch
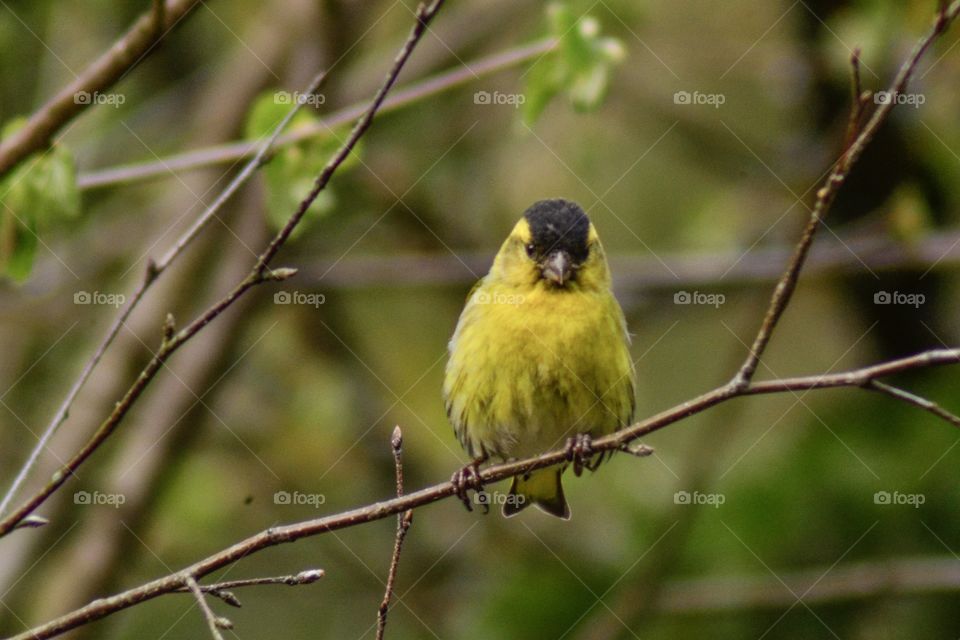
{"points": [[617, 441], [153, 271], [917, 401], [259, 274], [142, 38], [828, 192], [401, 97]]}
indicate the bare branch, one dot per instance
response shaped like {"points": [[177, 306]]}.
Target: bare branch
{"points": [[424, 15], [153, 271], [918, 401], [859, 99], [404, 521], [141, 40], [259, 274], [234, 151], [616, 441], [223, 591], [859, 377], [213, 621], [827, 193]]}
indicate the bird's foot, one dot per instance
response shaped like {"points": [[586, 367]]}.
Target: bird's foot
{"points": [[466, 479], [579, 451]]}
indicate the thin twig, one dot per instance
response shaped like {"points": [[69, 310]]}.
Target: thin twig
{"points": [[827, 193], [404, 520], [858, 98], [290, 533], [914, 399], [153, 270], [234, 151], [424, 15], [858, 377], [138, 42], [258, 275], [223, 591], [213, 621], [308, 576]]}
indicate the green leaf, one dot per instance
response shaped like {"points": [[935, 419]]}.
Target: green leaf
{"points": [[54, 181], [580, 65], [588, 89], [39, 193], [291, 173], [544, 81]]}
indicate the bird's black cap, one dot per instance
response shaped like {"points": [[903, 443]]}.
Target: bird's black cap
{"points": [[559, 225]]}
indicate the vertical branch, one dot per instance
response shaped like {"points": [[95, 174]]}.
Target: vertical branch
{"points": [[859, 99], [213, 621], [404, 520]]}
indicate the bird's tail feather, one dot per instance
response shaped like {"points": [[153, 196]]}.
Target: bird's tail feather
{"points": [[542, 488]]}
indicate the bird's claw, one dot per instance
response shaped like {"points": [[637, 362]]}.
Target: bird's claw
{"points": [[579, 451], [466, 479]]}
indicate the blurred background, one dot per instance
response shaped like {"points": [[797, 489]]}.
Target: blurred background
{"points": [[695, 135]]}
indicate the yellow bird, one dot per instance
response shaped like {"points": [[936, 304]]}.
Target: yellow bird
{"points": [[540, 356]]}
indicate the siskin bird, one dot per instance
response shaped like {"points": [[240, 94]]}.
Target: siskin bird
{"points": [[540, 354]]}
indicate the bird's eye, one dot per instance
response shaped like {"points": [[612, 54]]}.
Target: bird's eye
{"points": [[530, 249]]}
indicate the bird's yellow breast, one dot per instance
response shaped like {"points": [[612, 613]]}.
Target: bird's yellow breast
{"points": [[532, 367]]}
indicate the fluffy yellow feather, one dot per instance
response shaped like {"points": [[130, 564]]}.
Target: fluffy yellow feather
{"points": [[541, 351]]}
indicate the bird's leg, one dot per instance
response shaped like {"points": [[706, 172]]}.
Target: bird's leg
{"points": [[579, 451], [595, 463], [468, 478]]}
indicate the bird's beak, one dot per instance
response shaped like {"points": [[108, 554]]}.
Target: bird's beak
{"points": [[557, 268]]}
